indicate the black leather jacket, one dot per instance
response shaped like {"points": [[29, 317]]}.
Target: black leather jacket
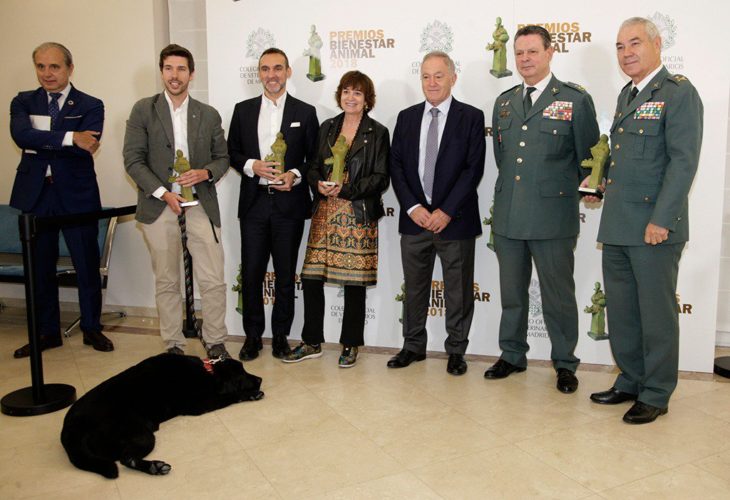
{"points": [[367, 166]]}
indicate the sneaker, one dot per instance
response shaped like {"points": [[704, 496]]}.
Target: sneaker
{"points": [[348, 358], [175, 350], [303, 351], [218, 351]]}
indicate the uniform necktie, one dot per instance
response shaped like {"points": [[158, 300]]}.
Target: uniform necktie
{"points": [[53, 107], [432, 151], [632, 95], [528, 99]]}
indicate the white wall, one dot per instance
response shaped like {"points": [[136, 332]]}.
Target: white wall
{"points": [[115, 45]]}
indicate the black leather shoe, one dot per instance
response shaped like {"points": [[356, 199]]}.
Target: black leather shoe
{"points": [[642, 413], [567, 381], [404, 358], [98, 341], [46, 343], [502, 369], [251, 347], [456, 364], [612, 397], [280, 347]]}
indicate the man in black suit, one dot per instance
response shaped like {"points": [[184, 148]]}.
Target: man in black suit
{"points": [[272, 206], [58, 128], [437, 161]]}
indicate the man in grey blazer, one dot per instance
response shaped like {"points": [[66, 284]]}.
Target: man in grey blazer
{"points": [[656, 137], [158, 127], [542, 130]]}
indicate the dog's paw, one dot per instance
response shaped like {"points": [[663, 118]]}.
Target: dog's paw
{"points": [[158, 468], [257, 396]]}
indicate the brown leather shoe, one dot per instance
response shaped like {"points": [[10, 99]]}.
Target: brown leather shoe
{"points": [[47, 342], [98, 341]]}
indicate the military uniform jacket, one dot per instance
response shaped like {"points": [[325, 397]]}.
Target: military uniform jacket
{"points": [[655, 149], [538, 157]]}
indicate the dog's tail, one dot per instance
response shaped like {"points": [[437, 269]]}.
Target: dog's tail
{"points": [[76, 443]]}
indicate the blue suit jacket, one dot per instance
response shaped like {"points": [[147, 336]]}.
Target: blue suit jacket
{"points": [[301, 142], [72, 167], [459, 168]]}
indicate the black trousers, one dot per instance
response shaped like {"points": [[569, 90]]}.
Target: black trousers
{"points": [[83, 246], [266, 232], [353, 321]]}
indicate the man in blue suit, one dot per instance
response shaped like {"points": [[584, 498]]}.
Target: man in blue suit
{"points": [[58, 128], [437, 161]]}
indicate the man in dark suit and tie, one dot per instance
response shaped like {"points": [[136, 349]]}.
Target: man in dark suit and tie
{"points": [[656, 138], [58, 128], [437, 161], [273, 205], [543, 129]]}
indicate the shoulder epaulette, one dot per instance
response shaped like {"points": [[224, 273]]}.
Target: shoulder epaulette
{"points": [[510, 89], [579, 88], [678, 79]]}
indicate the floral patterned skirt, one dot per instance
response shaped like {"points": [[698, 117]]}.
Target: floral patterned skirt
{"points": [[339, 250]]}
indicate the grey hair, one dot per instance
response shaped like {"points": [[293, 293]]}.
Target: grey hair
{"points": [[651, 30], [67, 58], [443, 55]]}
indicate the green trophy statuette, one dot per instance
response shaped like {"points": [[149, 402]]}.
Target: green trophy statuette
{"points": [[499, 47], [278, 152], [597, 309], [597, 164], [315, 57], [337, 160], [181, 166]]}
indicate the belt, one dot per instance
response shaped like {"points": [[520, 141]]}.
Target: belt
{"points": [[266, 188]]}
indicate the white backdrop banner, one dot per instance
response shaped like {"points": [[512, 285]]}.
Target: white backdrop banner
{"points": [[386, 40]]}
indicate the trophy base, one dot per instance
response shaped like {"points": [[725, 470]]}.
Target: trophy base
{"points": [[275, 183], [315, 78], [190, 203], [329, 183], [500, 74], [586, 191], [598, 336]]}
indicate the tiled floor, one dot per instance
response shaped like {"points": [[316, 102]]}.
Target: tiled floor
{"points": [[371, 432]]}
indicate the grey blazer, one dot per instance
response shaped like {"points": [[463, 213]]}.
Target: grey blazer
{"points": [[149, 153]]}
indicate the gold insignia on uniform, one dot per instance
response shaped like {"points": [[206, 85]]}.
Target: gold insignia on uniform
{"points": [[554, 90], [517, 89], [680, 78], [656, 85], [504, 113]]}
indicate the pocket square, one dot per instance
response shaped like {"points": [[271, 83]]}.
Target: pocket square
{"points": [[295, 124]]}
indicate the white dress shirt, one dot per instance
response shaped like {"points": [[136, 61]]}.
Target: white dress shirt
{"points": [[271, 114], [539, 88], [180, 133], [425, 123]]}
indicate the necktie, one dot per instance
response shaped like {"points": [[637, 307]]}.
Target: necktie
{"points": [[432, 151], [528, 99], [632, 95], [53, 107]]}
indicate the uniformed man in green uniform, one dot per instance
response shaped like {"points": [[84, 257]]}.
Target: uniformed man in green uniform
{"points": [[543, 129], [655, 147]]}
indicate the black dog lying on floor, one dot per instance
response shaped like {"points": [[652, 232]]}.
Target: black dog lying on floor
{"points": [[116, 420]]}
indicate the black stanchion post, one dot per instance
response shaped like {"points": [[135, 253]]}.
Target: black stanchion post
{"points": [[722, 366], [40, 398]]}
